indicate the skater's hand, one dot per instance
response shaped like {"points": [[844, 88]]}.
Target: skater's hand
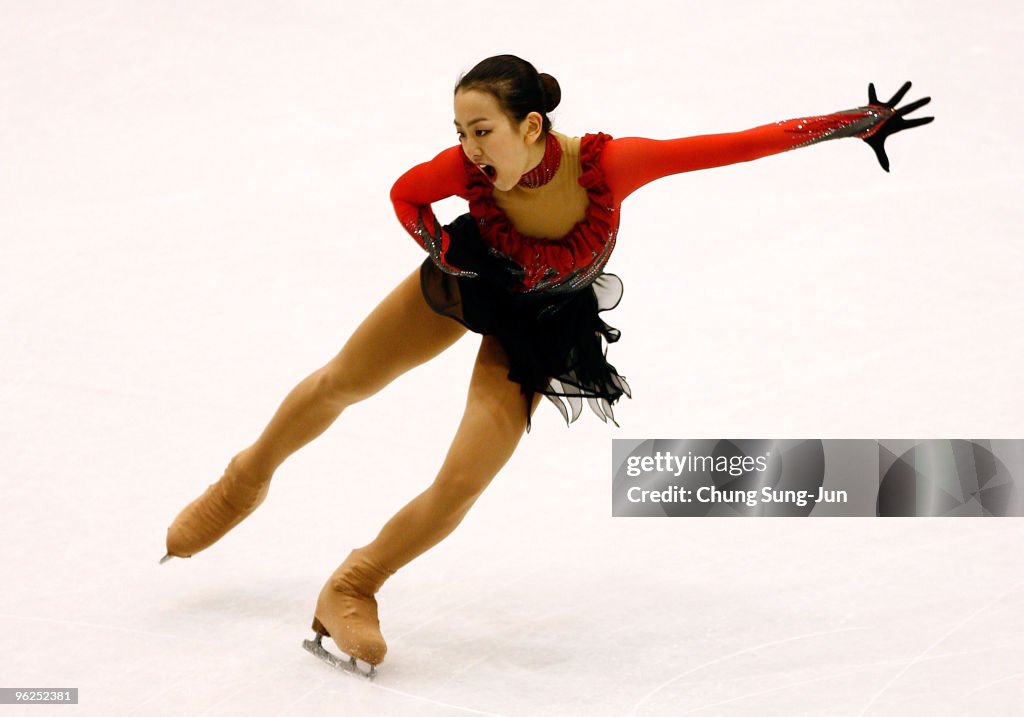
{"points": [[441, 259], [437, 243], [895, 121]]}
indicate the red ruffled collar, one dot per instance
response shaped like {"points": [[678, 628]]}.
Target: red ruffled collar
{"points": [[571, 262]]}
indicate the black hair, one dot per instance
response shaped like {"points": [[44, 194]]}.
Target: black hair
{"points": [[517, 86]]}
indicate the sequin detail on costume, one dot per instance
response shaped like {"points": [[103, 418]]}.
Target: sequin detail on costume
{"points": [[543, 172], [860, 122], [435, 245]]}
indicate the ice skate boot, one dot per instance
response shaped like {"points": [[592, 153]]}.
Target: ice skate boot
{"points": [[209, 517], [347, 612]]}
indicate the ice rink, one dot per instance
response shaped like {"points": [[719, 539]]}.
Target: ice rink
{"points": [[194, 216]]}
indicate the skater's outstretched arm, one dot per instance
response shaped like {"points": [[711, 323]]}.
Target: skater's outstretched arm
{"points": [[631, 162], [442, 177]]}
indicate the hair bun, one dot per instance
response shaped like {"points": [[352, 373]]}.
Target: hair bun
{"points": [[552, 92]]}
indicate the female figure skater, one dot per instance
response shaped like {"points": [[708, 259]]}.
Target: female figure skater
{"points": [[524, 269]]}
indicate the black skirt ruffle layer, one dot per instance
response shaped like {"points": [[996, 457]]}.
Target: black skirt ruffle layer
{"points": [[556, 342]]}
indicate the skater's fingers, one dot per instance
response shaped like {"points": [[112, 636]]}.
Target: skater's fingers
{"points": [[883, 160], [913, 106], [917, 122], [872, 97], [895, 99], [879, 146]]}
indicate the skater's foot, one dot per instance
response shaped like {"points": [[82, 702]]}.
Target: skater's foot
{"points": [[209, 517], [347, 610]]}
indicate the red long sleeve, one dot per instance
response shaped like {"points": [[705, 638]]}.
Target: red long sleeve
{"points": [[631, 162], [424, 184]]}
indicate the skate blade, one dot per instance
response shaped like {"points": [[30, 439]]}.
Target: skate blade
{"points": [[167, 557], [316, 648]]}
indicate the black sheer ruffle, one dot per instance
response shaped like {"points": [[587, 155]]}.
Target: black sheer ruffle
{"points": [[553, 340]]}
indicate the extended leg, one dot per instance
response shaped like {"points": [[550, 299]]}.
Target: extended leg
{"points": [[491, 427], [402, 332], [493, 423]]}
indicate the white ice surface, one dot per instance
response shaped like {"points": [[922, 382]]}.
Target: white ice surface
{"points": [[194, 215]]}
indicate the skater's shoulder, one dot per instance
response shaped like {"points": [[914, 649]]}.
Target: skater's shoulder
{"points": [[583, 150]]}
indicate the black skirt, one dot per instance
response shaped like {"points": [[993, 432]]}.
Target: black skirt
{"points": [[555, 340]]}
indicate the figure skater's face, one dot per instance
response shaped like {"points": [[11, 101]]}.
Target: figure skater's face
{"points": [[502, 149]]}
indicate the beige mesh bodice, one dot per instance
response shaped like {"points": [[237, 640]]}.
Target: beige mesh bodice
{"points": [[552, 210]]}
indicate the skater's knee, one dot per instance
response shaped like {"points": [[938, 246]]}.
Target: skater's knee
{"points": [[459, 487], [342, 384]]}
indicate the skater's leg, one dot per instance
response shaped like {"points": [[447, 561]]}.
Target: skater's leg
{"points": [[493, 423], [401, 333], [491, 427]]}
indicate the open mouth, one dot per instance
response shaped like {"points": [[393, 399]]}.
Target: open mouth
{"points": [[489, 171]]}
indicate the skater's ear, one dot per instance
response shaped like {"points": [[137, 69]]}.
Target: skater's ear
{"points": [[532, 128]]}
